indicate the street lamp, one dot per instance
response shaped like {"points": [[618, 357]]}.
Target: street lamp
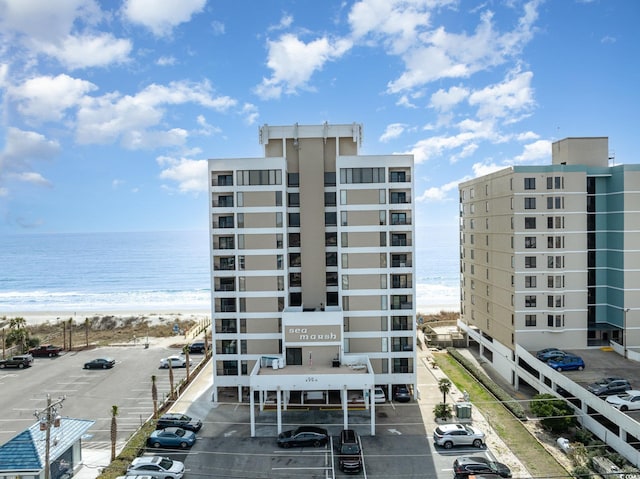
{"points": [[624, 330], [49, 417]]}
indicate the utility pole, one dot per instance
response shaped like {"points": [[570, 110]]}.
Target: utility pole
{"points": [[49, 417]]}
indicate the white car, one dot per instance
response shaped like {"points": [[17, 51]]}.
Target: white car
{"points": [[449, 435], [627, 401], [379, 395], [176, 361], [156, 466]]}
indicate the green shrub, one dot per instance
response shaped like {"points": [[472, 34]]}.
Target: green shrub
{"points": [[489, 384], [442, 411], [581, 472], [556, 413]]}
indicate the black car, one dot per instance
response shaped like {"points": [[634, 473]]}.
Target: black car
{"points": [[100, 363], [179, 420], [304, 436], [401, 393], [545, 351], [349, 452], [609, 386], [199, 346], [465, 466]]}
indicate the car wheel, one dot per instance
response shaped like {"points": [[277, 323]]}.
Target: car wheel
{"points": [[559, 370], [286, 445], [624, 408], [448, 445], [156, 444], [184, 445], [104, 366], [580, 368], [2, 366], [477, 443], [20, 366], [317, 443]]}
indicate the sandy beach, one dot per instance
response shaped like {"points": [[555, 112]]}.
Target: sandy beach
{"points": [[154, 317]]}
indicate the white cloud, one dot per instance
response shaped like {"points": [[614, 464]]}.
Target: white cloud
{"points": [[161, 17], [85, 51], [510, 96], [445, 100], [293, 62], [46, 98], [482, 169], [394, 130], [285, 22], [250, 112], [22, 147], [166, 61], [114, 117], [440, 54], [206, 129], [438, 193], [33, 178], [534, 152], [190, 175]]}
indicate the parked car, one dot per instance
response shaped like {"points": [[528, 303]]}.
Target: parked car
{"points": [[549, 355], [449, 435], [465, 466], [172, 437], [176, 361], [379, 396], [179, 420], [45, 351], [304, 436], [19, 361], [199, 346], [567, 363], [628, 401], [544, 351], [349, 452], [156, 466], [100, 363], [609, 386], [401, 393]]}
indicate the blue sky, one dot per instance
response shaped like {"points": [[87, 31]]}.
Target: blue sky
{"points": [[111, 108]]}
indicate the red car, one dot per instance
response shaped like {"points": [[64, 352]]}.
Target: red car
{"points": [[45, 350]]}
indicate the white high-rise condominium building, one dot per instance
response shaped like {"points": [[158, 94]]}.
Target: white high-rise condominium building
{"points": [[312, 250], [550, 254]]}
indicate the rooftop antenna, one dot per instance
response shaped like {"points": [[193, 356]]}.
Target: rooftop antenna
{"points": [[612, 158]]}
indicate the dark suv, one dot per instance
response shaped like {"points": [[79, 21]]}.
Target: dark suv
{"points": [[198, 346], [609, 386], [21, 361], [349, 454], [465, 466], [179, 420]]}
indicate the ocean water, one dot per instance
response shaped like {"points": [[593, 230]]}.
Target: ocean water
{"points": [[151, 271]]}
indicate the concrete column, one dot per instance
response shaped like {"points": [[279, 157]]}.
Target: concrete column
{"points": [[345, 407], [252, 412], [279, 408], [239, 393], [373, 412]]}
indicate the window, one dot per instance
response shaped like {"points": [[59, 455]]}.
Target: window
{"points": [[400, 323], [530, 320], [225, 200], [329, 178], [259, 177], [330, 218], [293, 179], [529, 183], [362, 175], [294, 219], [330, 198], [331, 278], [294, 260], [529, 281], [330, 239], [530, 301], [331, 258], [225, 180], [529, 203], [397, 176], [294, 240], [529, 241], [398, 239], [225, 222], [295, 280], [399, 219], [226, 242], [555, 202], [398, 197], [294, 199]]}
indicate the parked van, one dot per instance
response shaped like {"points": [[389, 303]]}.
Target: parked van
{"points": [[349, 452]]}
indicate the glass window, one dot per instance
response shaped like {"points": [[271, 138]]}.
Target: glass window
{"points": [[529, 241], [294, 219], [330, 218], [329, 178], [330, 198], [529, 281], [529, 261], [529, 203], [529, 183], [293, 179], [530, 320], [529, 222], [294, 199], [530, 301]]}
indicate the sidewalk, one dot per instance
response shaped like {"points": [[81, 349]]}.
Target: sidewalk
{"points": [[428, 379]]}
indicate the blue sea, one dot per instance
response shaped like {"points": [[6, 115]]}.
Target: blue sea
{"points": [[151, 271]]}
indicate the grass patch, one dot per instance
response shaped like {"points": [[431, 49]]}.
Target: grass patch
{"points": [[517, 437]]}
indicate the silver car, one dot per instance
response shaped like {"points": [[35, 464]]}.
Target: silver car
{"points": [[449, 435]]}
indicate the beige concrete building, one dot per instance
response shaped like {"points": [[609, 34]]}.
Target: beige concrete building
{"points": [[550, 255], [312, 250]]}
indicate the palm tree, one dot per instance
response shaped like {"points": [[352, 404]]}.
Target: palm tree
{"points": [[86, 332], [70, 328], [154, 396], [445, 386], [18, 333], [114, 431], [170, 381], [185, 351]]}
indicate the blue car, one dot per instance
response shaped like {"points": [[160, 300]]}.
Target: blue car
{"points": [[554, 354], [172, 437], [567, 363]]}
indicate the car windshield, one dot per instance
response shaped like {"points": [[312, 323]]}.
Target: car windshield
{"points": [[166, 463], [180, 432], [350, 449]]}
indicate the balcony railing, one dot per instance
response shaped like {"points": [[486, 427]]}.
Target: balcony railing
{"points": [[402, 306], [226, 308], [226, 330], [400, 264], [225, 287], [224, 267], [227, 372], [222, 203], [402, 285]]}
